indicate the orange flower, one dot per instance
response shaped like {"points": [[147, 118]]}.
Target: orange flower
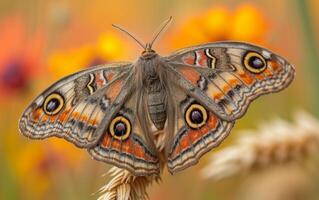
{"points": [[109, 47], [246, 23], [62, 63], [188, 34], [216, 23]]}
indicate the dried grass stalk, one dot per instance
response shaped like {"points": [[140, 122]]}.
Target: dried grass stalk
{"points": [[126, 186], [276, 142]]}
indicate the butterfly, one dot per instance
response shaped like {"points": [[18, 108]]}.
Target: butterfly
{"points": [[194, 95]]}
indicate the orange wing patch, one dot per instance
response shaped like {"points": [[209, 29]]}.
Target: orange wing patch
{"points": [[201, 58], [275, 66], [100, 79], [128, 147], [62, 117], [189, 59], [130, 154], [247, 79], [190, 74], [114, 89], [191, 137]]}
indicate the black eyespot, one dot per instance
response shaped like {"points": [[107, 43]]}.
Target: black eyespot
{"points": [[120, 128], [196, 116], [254, 62], [53, 104]]}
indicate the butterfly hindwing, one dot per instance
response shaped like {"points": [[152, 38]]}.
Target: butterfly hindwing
{"points": [[125, 145], [198, 130], [74, 107], [227, 76]]}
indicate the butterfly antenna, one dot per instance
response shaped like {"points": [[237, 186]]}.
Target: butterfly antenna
{"points": [[132, 36], [160, 29]]}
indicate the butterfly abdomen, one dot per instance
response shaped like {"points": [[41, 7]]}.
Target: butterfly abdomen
{"points": [[157, 108], [156, 101]]}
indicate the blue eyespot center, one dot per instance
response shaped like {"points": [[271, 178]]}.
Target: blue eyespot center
{"points": [[53, 104], [256, 62], [120, 129]]}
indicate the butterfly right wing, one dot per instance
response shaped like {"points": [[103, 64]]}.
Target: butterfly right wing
{"points": [[76, 107], [192, 138], [227, 76]]}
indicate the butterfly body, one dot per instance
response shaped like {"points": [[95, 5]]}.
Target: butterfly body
{"points": [[194, 96], [151, 83]]}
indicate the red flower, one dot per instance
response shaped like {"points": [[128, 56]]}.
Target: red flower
{"points": [[20, 55]]}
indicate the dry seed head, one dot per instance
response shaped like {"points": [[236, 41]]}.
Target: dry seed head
{"points": [[275, 142]]}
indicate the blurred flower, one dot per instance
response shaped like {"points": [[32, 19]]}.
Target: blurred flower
{"points": [[66, 62], [246, 23], [276, 142], [216, 23], [20, 55], [109, 47], [38, 163]]}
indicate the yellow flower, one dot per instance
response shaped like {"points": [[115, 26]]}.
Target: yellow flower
{"points": [[63, 63], [248, 24], [110, 46], [216, 23]]}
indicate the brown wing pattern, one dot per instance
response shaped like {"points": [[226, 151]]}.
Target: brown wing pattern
{"points": [[220, 80], [231, 74], [130, 149], [193, 137], [73, 108]]}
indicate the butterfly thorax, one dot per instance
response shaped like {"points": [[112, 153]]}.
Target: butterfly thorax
{"points": [[150, 68]]}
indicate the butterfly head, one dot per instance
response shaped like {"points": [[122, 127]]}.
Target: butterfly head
{"points": [[148, 52]]}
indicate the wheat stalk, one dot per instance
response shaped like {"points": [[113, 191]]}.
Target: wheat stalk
{"points": [[276, 142], [125, 186]]}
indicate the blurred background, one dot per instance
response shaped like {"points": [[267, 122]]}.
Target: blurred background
{"points": [[42, 41]]}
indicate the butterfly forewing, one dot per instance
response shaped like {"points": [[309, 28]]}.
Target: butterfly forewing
{"points": [[74, 107], [231, 74]]}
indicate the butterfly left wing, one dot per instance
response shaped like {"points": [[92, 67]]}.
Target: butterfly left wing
{"points": [[126, 144], [227, 76], [76, 107]]}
